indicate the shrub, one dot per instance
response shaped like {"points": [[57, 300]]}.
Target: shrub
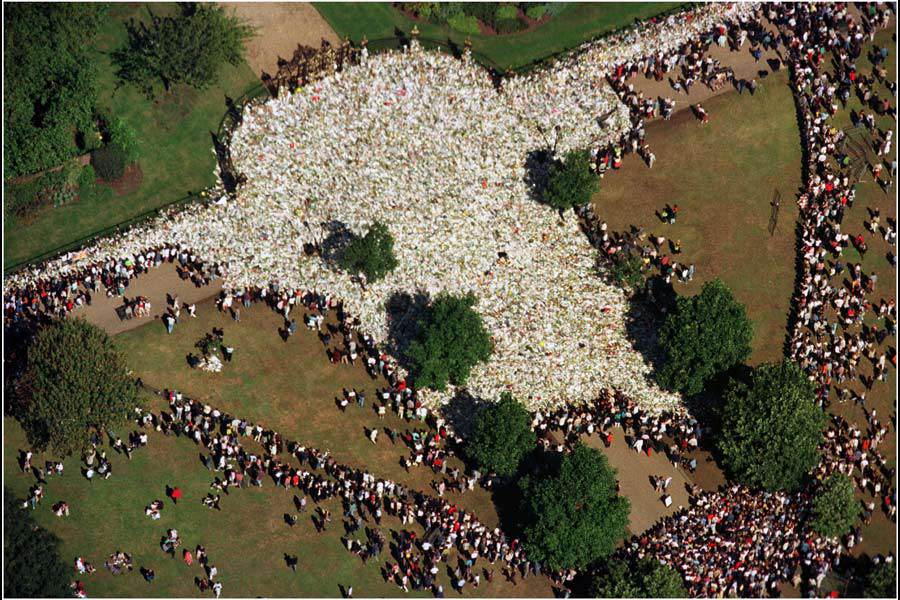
{"points": [[626, 270], [86, 177], [486, 12], [881, 581], [502, 436], [574, 516], [571, 183], [75, 381], [771, 427], [506, 11], [444, 11], [464, 24], [32, 564], [124, 136], [372, 254], [647, 578], [536, 11], [835, 508], [705, 335], [451, 339], [189, 48], [504, 26], [109, 162]]}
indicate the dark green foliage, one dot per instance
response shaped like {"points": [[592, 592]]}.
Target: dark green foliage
{"points": [[625, 269], [465, 17], [705, 335], [188, 48], [574, 517], [450, 340], [771, 427], [535, 11], [463, 24], [502, 436], [123, 135], [571, 183], [647, 578], [86, 177], [75, 381], [881, 581], [371, 254], [49, 81], [53, 188], [109, 162], [835, 507], [32, 565]]}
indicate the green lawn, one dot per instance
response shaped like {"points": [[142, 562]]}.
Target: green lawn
{"points": [[174, 133], [577, 23], [722, 176]]}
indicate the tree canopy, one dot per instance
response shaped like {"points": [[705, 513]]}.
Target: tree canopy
{"points": [[49, 83], [881, 581], [371, 254], [771, 427], [573, 517], [647, 578], [703, 336], [835, 507], [75, 381], [571, 182], [188, 48], [450, 340], [32, 565], [502, 436]]}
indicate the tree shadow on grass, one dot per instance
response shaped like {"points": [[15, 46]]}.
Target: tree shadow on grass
{"points": [[404, 311], [647, 310]]}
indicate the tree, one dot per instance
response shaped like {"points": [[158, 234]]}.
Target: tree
{"points": [[502, 436], [189, 48], [49, 83], [647, 578], [705, 335], [451, 339], [881, 581], [371, 254], [771, 428], [32, 565], [573, 517], [835, 507], [75, 381], [571, 183]]}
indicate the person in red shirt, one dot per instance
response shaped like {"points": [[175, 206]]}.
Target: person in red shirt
{"points": [[175, 495]]}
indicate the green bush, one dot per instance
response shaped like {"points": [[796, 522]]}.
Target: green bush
{"points": [[86, 177], [444, 11], [571, 183], [505, 11], [771, 427], [124, 136], [705, 335], [626, 270], [372, 254], [835, 507], [502, 436], [21, 202], [464, 24], [451, 339], [536, 11], [647, 578], [486, 12], [504, 26], [109, 162], [881, 581]]}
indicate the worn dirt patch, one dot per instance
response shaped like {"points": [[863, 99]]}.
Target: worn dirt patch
{"points": [[127, 183], [280, 26]]}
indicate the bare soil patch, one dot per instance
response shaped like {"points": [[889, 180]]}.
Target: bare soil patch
{"points": [[127, 183], [280, 27]]}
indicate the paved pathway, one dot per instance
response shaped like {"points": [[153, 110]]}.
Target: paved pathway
{"points": [[154, 286]]}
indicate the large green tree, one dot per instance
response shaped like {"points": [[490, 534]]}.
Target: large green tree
{"points": [[451, 339], [371, 254], [771, 427], [32, 565], [647, 578], [835, 507], [75, 381], [703, 336], [571, 182], [573, 517], [189, 47], [502, 436], [49, 81], [881, 581]]}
